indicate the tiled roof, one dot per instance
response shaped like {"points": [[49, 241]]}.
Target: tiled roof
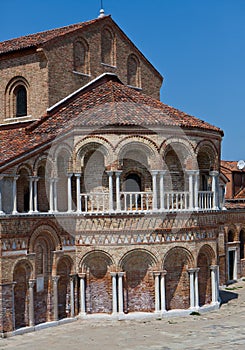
{"points": [[107, 102], [34, 40], [230, 165]]}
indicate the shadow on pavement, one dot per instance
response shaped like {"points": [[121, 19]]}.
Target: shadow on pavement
{"points": [[226, 296]]}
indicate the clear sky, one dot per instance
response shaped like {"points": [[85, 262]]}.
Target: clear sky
{"points": [[197, 45]]}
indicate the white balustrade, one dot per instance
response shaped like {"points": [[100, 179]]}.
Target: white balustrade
{"points": [[136, 201], [176, 201], [205, 200], [95, 202]]}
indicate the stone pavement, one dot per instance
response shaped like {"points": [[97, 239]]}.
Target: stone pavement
{"points": [[222, 329]]}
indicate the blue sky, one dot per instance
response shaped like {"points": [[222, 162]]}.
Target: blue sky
{"points": [[197, 45]]}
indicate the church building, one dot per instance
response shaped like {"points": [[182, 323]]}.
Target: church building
{"points": [[112, 203]]}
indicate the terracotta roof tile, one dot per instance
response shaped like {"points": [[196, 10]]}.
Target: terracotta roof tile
{"points": [[37, 39], [109, 103]]}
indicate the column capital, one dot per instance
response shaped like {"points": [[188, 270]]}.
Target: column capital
{"points": [[163, 273], [69, 174], [156, 273], [213, 267], [73, 276], [154, 172], [214, 173], [118, 172], [110, 172], [77, 174], [82, 275], [121, 274], [31, 283], [192, 172], [55, 279], [162, 172], [191, 270], [113, 274]]}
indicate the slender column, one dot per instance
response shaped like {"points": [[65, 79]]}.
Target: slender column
{"points": [[192, 289], [30, 194], [154, 188], [157, 291], [114, 292], [215, 175], [35, 194], [196, 288], [1, 204], [15, 178], [82, 294], [191, 194], [51, 195], [78, 188], [214, 284], [118, 173], [31, 303], [55, 194], [120, 292], [161, 181], [69, 193], [110, 174], [72, 277], [163, 292], [55, 297], [196, 187]]}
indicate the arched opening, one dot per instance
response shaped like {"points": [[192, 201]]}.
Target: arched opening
{"points": [[64, 297], [98, 283], [23, 192], [232, 257], [43, 248], [21, 277], [175, 163], [133, 183], [133, 71], [139, 283], [42, 195], [176, 264], [204, 261], [62, 167]]}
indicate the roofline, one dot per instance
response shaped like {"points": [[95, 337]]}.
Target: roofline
{"points": [[65, 99]]}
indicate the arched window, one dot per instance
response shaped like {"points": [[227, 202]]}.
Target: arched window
{"points": [[107, 47], [21, 101], [133, 71], [133, 183], [16, 98], [81, 56]]}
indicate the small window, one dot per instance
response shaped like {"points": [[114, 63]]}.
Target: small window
{"points": [[21, 101]]}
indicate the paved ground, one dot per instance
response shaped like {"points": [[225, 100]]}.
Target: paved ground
{"points": [[221, 329]]}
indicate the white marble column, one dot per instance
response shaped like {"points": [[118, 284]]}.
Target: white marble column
{"points": [[191, 193], [72, 301], [31, 181], [82, 277], [161, 184], [118, 173], [69, 193], [196, 288], [15, 178], [120, 292], [78, 191], [163, 291], [110, 174], [1, 203], [214, 284], [157, 291], [55, 297], [192, 288], [35, 194], [31, 284], [215, 187], [154, 188], [114, 292], [51, 195], [55, 194], [196, 190]]}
